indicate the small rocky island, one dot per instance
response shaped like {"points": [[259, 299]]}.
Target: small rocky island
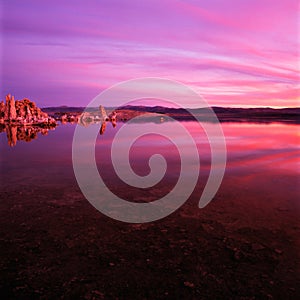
{"points": [[23, 120], [99, 116], [23, 112]]}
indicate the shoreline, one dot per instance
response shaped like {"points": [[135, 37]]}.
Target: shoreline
{"points": [[154, 114]]}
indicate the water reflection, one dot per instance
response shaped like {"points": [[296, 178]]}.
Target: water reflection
{"points": [[250, 229], [87, 119], [103, 126], [22, 133], [27, 133]]}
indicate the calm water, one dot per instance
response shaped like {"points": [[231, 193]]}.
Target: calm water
{"points": [[259, 156], [249, 230]]}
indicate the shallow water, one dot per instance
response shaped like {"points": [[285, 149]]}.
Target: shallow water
{"points": [[244, 242]]}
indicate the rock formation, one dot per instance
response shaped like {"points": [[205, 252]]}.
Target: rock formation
{"points": [[113, 116], [87, 118], [103, 114], [10, 108], [2, 111], [23, 112]]}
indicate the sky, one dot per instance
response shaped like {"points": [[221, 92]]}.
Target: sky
{"points": [[238, 53]]}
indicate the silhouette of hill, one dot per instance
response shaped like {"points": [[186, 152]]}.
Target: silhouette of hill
{"points": [[224, 114]]}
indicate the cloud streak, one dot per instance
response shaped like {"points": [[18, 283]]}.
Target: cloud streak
{"points": [[63, 52]]}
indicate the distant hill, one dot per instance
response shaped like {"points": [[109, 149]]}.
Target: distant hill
{"points": [[61, 109], [225, 114]]}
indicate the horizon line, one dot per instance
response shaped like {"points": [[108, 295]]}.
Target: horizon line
{"points": [[211, 106]]}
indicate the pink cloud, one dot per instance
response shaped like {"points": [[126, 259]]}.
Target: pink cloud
{"points": [[243, 53]]}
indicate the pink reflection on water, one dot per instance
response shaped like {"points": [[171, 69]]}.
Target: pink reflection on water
{"points": [[256, 153], [273, 146]]}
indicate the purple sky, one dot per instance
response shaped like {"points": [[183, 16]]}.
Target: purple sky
{"points": [[234, 53]]}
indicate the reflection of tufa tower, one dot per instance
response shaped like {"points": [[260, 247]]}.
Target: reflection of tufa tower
{"points": [[103, 126], [11, 132]]}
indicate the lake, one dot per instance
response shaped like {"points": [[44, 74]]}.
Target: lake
{"points": [[243, 244]]}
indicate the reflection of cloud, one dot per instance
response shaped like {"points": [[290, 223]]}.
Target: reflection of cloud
{"points": [[273, 146]]}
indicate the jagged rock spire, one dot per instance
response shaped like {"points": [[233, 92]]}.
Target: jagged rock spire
{"points": [[103, 113], [10, 111]]}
